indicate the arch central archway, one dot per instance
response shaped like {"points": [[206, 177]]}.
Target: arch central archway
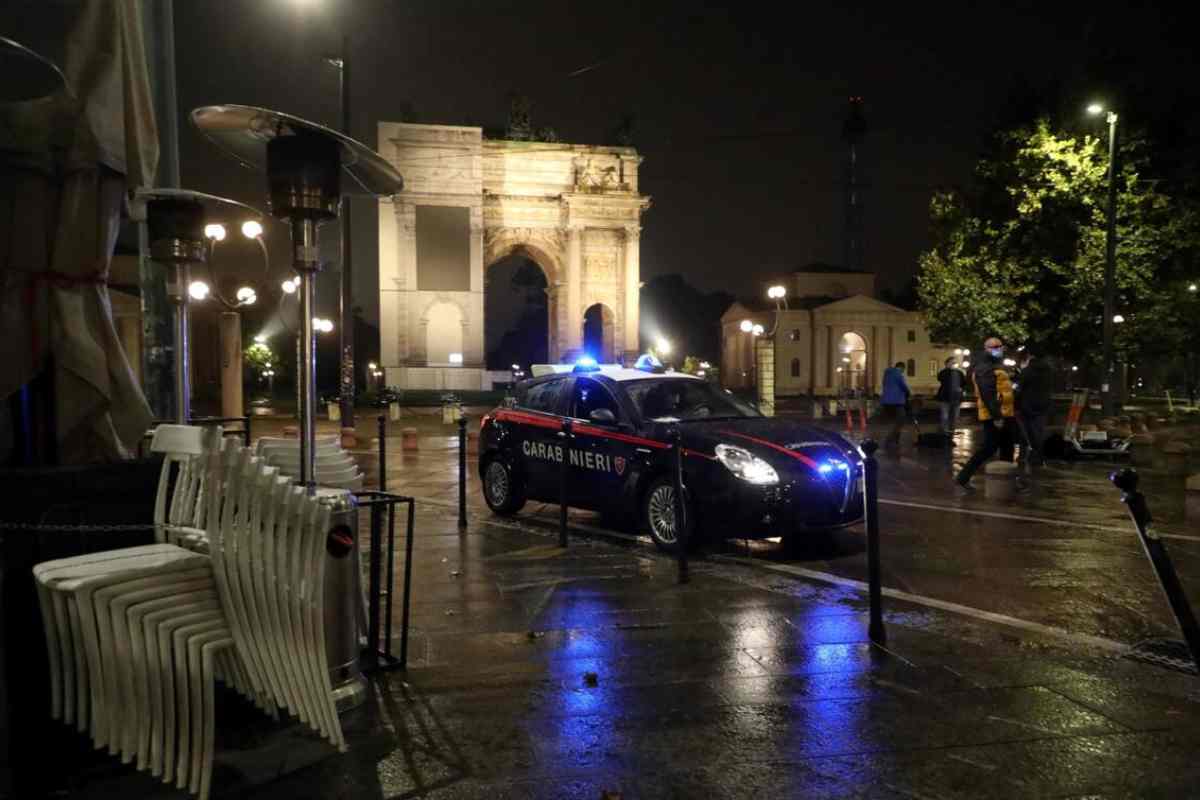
{"points": [[516, 312]]}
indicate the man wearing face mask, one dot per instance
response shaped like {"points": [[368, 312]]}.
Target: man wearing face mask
{"points": [[997, 409]]}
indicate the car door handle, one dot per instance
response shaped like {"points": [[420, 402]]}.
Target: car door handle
{"points": [[644, 450]]}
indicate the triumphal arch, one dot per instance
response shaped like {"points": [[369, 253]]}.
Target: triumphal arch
{"points": [[468, 202]]}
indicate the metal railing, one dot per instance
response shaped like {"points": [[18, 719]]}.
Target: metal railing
{"points": [[381, 578]]}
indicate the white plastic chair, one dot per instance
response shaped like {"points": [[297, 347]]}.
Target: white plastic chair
{"points": [[161, 631]]}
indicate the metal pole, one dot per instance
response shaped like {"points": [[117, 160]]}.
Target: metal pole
{"points": [[391, 579], [563, 468], [1110, 269], [408, 557], [679, 509], [1127, 481], [183, 388], [346, 300], [304, 244], [373, 570], [871, 513], [462, 472], [382, 453]]}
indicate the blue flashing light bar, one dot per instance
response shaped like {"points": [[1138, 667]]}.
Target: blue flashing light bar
{"points": [[586, 364], [648, 363]]}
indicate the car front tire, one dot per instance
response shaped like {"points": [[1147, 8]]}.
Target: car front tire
{"points": [[502, 490], [658, 515]]}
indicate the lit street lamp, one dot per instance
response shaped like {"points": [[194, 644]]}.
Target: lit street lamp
{"points": [[747, 326], [1110, 260]]}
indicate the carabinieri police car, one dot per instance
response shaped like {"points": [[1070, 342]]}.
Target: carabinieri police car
{"points": [[745, 475]]}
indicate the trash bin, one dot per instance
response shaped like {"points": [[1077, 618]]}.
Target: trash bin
{"points": [[335, 412], [394, 410], [343, 594]]}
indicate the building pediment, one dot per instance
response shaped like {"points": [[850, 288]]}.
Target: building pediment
{"points": [[857, 304]]}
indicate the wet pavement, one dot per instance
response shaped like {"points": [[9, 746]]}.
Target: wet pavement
{"points": [[1065, 555], [543, 672]]}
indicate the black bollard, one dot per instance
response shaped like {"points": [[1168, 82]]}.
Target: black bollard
{"points": [[382, 453], [679, 507], [462, 473], [563, 468], [871, 514], [1127, 481]]}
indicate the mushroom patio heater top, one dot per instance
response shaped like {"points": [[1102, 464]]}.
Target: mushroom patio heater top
{"points": [[309, 168], [175, 219]]}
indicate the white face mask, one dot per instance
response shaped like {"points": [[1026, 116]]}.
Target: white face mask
{"points": [[997, 352]]}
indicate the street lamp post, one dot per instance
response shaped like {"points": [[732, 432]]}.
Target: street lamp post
{"points": [[345, 299], [1110, 262]]}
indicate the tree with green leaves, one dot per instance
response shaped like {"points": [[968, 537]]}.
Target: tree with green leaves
{"points": [[1021, 254]]}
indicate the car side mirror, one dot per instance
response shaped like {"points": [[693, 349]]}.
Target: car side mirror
{"points": [[602, 416]]}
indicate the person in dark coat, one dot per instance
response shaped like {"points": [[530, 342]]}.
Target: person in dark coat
{"points": [[950, 394], [996, 409], [894, 399], [1035, 398]]}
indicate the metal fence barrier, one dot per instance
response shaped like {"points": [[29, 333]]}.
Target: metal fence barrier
{"points": [[380, 586]]}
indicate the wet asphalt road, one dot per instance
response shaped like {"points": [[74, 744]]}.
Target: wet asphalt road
{"points": [[1079, 568]]}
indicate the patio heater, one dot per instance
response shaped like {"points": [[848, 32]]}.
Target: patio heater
{"points": [[175, 220], [27, 75], [307, 168]]}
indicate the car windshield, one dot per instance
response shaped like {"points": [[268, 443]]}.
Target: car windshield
{"points": [[680, 399]]}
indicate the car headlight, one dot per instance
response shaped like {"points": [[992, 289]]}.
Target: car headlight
{"points": [[746, 465]]}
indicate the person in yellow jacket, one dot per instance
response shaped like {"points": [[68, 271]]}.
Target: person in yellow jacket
{"points": [[997, 408]]}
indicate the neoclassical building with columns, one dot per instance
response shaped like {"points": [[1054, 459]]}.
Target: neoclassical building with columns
{"points": [[469, 202], [834, 336]]}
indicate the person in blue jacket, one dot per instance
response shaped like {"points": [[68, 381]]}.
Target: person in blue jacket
{"points": [[894, 400]]}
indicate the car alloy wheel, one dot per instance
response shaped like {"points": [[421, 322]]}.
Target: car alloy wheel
{"points": [[660, 513], [497, 484]]}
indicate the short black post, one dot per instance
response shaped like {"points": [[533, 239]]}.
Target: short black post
{"points": [[1156, 550], [871, 513], [679, 507], [462, 472], [246, 429], [563, 476], [382, 453], [408, 558]]}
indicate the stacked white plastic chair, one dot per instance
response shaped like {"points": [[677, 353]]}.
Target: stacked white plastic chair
{"points": [[141, 634], [335, 467]]}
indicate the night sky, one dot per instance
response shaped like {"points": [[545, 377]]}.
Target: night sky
{"points": [[738, 110]]}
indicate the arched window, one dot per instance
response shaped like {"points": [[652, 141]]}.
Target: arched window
{"points": [[795, 368], [912, 368]]}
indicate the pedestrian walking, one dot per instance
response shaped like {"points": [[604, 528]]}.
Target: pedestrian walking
{"points": [[894, 399], [1034, 399], [950, 394], [996, 408]]}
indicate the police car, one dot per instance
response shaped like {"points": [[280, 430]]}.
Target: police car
{"points": [[745, 475]]}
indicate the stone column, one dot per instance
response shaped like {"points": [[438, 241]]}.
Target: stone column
{"points": [[231, 364], [633, 282], [570, 310]]}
